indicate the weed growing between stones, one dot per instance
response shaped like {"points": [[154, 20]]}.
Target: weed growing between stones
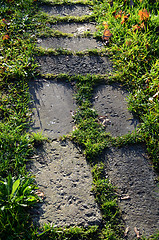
{"points": [[17, 65], [66, 2], [134, 49], [39, 51]]}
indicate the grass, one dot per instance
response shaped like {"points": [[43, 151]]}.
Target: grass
{"points": [[135, 55], [66, 2], [134, 51], [39, 51]]}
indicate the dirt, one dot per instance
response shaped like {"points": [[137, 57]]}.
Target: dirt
{"points": [[65, 180], [73, 64], [73, 43], [64, 10], [52, 103], [111, 102], [130, 170]]}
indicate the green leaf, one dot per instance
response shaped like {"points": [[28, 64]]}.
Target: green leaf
{"points": [[15, 187]]}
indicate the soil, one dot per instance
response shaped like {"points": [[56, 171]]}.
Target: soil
{"points": [[73, 43], [73, 64]]}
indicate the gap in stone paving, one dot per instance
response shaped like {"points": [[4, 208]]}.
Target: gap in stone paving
{"points": [[75, 28], [59, 170], [73, 43], [131, 172], [72, 64], [52, 103], [110, 101], [64, 178], [64, 10]]}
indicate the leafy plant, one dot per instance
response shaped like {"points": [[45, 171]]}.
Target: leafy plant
{"points": [[16, 193]]}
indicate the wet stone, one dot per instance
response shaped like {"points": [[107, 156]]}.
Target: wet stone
{"points": [[111, 102], [64, 10], [66, 195], [73, 64], [131, 172], [75, 28], [52, 103], [73, 43]]}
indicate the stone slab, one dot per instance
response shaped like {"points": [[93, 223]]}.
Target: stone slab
{"points": [[73, 64], [52, 103], [64, 10], [64, 177], [129, 169], [111, 101], [75, 28], [73, 43]]}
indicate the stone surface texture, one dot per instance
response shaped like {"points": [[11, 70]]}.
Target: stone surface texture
{"points": [[72, 43], [72, 64], [64, 10], [75, 28], [131, 172], [61, 171], [64, 177], [111, 101], [52, 103]]}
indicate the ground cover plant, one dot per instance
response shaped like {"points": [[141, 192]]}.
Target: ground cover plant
{"points": [[133, 48], [130, 32]]}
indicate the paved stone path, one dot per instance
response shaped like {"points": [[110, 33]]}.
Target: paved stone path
{"points": [[65, 179], [74, 28], [129, 169], [60, 169]]}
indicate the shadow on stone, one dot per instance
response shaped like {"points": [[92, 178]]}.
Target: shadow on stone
{"points": [[73, 64], [52, 103], [111, 102], [131, 172]]}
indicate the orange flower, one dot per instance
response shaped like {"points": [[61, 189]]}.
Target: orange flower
{"points": [[144, 15], [125, 18], [136, 27], [119, 15], [5, 37], [105, 24]]}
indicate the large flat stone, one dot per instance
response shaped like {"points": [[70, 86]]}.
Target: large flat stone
{"points": [[129, 169], [64, 10], [111, 101], [73, 64], [75, 28], [52, 103], [64, 177], [73, 43]]}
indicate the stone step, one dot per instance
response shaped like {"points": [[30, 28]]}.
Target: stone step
{"points": [[51, 104], [64, 10], [110, 101], [64, 178], [72, 43], [73, 64], [131, 172], [75, 28]]}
